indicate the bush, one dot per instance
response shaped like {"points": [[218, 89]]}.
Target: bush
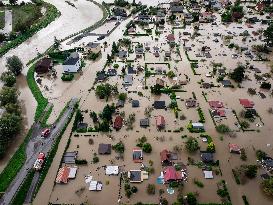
{"points": [[267, 186], [67, 77], [122, 96], [151, 189], [260, 154], [95, 158], [201, 115], [198, 183], [119, 147], [134, 189], [266, 85], [80, 161], [147, 147], [192, 145], [191, 199], [251, 171], [222, 128]]}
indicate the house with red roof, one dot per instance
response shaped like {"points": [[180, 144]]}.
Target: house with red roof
{"points": [[137, 155], [165, 157], [216, 104], [171, 38], [170, 175], [160, 121], [246, 103], [118, 123], [234, 148]]}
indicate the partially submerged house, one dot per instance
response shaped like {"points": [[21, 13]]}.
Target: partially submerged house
{"points": [[137, 176], [137, 155], [92, 47], [234, 148], [246, 103], [144, 122], [159, 104], [118, 122], [44, 65], [65, 173], [198, 126], [171, 39], [160, 122], [216, 104], [170, 175], [112, 170], [207, 157], [135, 103], [226, 83], [72, 63], [165, 157], [70, 157], [128, 80], [104, 148]]}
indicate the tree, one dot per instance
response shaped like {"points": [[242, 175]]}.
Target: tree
{"points": [[238, 74], [191, 199], [122, 96], [107, 112], [8, 95], [147, 147], [156, 89], [8, 79], [151, 189], [10, 125], [222, 128], [211, 147], [250, 171], [267, 186], [106, 90], [171, 74], [192, 145], [119, 147], [114, 48], [260, 154], [268, 34], [14, 65]]}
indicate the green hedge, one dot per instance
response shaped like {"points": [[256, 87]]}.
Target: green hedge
{"points": [[41, 100], [51, 14]]}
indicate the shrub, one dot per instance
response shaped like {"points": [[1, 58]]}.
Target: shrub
{"points": [[192, 145], [95, 158], [147, 147], [267, 186], [266, 85], [191, 199], [67, 77], [119, 147], [222, 128], [80, 161], [198, 183], [151, 189], [260, 154]]}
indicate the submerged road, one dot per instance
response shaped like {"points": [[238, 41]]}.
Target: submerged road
{"points": [[34, 146]]}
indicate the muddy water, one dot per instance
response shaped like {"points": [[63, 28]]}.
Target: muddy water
{"points": [[61, 92], [71, 21]]}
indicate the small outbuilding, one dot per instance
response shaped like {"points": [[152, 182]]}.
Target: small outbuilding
{"points": [[104, 148]]}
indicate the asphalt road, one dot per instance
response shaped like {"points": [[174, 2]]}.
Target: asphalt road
{"points": [[34, 146]]}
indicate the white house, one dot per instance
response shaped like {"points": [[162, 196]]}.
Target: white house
{"points": [[72, 63]]}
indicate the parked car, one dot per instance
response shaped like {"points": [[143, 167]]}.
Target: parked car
{"points": [[45, 132]]}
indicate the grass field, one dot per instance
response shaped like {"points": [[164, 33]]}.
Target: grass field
{"points": [[25, 16], [2, 18]]}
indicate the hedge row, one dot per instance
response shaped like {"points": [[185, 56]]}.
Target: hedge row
{"points": [[36, 92]]}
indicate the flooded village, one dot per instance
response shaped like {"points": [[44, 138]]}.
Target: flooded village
{"points": [[165, 102]]}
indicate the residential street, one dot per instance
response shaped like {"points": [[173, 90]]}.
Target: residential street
{"points": [[36, 145]]}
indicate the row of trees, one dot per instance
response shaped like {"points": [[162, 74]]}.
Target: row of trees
{"points": [[11, 120]]}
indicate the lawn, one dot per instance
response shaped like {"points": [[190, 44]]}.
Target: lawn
{"points": [[25, 16], [2, 18]]}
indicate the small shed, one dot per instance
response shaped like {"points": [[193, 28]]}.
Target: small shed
{"points": [[144, 122], [104, 149]]}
